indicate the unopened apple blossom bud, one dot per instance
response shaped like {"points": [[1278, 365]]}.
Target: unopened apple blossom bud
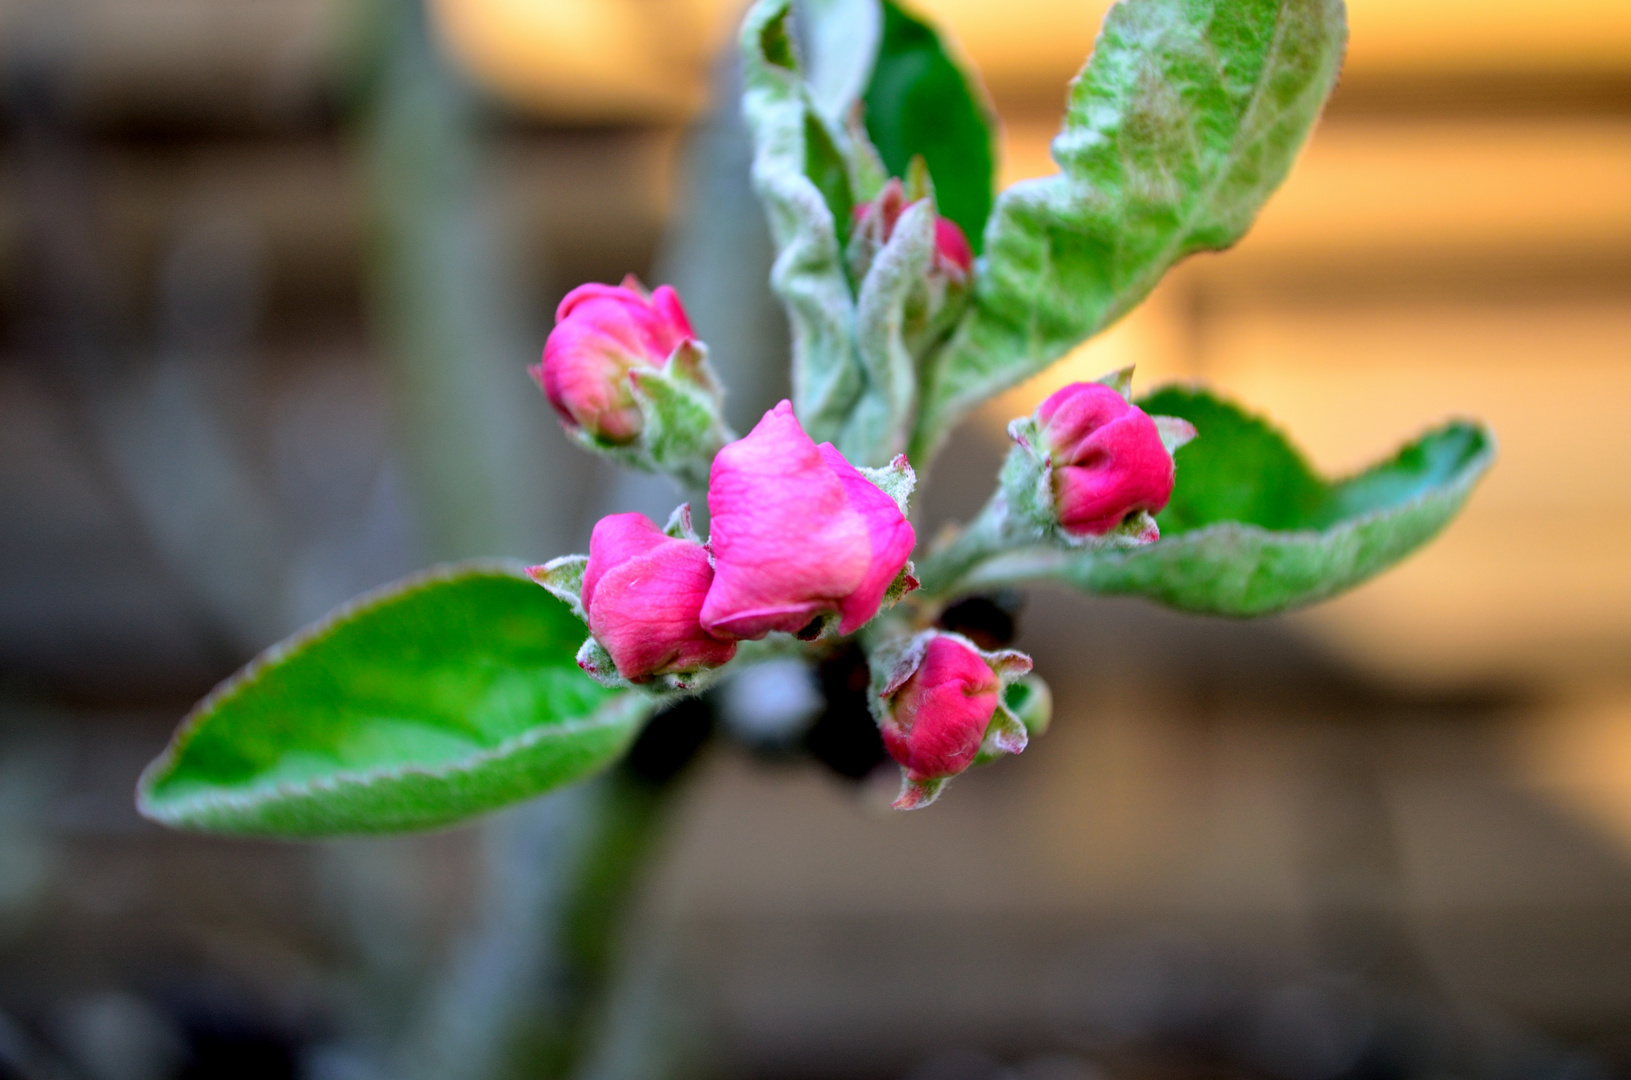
{"points": [[800, 537], [628, 378], [1108, 458], [873, 225], [640, 592], [939, 702], [602, 333], [1090, 468]]}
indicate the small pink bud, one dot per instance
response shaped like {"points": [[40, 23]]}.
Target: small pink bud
{"points": [[602, 333], [642, 590], [951, 246], [874, 223], [1108, 458], [797, 534], [937, 719]]}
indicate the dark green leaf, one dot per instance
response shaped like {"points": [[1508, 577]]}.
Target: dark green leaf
{"points": [[824, 165], [1185, 119], [1251, 529], [920, 101], [445, 695]]}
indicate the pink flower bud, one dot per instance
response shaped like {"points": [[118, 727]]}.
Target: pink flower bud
{"points": [[602, 333], [936, 719], [642, 590], [951, 246], [1108, 458], [797, 533], [873, 223]]}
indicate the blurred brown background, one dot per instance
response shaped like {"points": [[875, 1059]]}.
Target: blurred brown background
{"points": [[269, 273]]}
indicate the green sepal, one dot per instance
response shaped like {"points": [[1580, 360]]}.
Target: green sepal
{"points": [[683, 406], [1175, 432], [682, 426], [443, 696], [1030, 699], [897, 480], [598, 664], [916, 794], [1005, 735], [905, 582], [563, 578], [1185, 119], [1252, 530], [679, 525], [1120, 380]]}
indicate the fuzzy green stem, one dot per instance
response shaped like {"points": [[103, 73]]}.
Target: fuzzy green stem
{"points": [[942, 573]]}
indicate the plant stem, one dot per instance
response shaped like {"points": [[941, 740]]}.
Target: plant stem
{"points": [[991, 533]]}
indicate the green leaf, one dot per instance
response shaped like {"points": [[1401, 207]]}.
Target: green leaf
{"points": [[1252, 530], [1187, 116], [1246, 471], [881, 421], [921, 101], [445, 695], [840, 39], [797, 173]]}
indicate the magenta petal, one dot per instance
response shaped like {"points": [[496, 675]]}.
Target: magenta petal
{"points": [[951, 245], [671, 315], [642, 590], [937, 719], [1108, 458], [602, 332], [793, 535], [616, 538], [890, 538]]}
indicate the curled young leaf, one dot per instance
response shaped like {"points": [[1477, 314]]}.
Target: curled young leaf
{"points": [[442, 696], [880, 424], [1186, 117], [799, 172], [1251, 529]]}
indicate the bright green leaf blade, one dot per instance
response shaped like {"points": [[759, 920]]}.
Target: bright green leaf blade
{"points": [[1187, 116], [439, 697], [921, 101], [1246, 472], [1251, 530]]}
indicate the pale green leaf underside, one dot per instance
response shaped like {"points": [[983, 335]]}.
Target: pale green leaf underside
{"points": [[799, 172], [1303, 539], [1187, 116], [446, 695]]}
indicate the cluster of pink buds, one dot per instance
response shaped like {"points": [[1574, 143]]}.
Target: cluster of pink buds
{"points": [[801, 540], [1091, 467]]}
